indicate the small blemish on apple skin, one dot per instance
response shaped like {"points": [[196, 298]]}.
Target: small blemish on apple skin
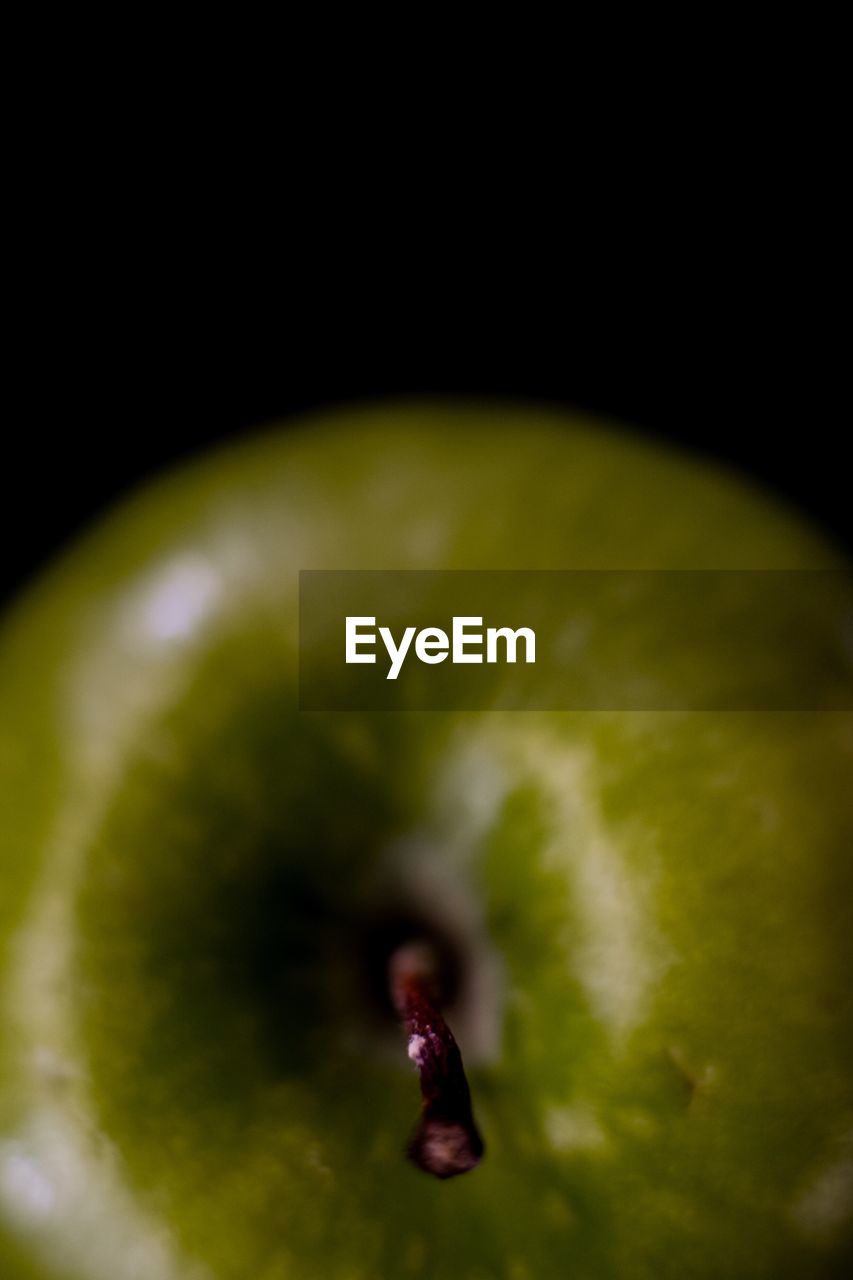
{"points": [[315, 1161], [517, 1268], [698, 1083], [415, 1254], [558, 1211], [639, 1124]]}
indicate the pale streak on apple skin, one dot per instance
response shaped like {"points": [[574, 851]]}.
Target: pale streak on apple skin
{"points": [[619, 955], [611, 946], [133, 661], [433, 867], [24, 1184], [432, 873], [823, 1210]]}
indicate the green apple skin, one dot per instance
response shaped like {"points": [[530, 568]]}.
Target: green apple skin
{"points": [[652, 910]]}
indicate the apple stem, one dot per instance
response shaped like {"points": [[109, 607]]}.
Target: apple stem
{"points": [[446, 1141]]}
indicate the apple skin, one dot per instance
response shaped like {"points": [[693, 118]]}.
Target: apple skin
{"points": [[651, 912]]}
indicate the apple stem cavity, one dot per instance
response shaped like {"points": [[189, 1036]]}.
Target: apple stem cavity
{"points": [[446, 1141]]}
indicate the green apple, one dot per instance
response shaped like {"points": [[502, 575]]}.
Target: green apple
{"points": [[647, 917]]}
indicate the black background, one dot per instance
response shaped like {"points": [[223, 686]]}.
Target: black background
{"points": [[129, 369], [662, 243]]}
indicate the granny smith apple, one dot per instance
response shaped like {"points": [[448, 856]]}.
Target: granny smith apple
{"points": [[645, 919]]}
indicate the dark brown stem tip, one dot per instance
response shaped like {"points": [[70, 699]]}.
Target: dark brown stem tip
{"points": [[445, 1150]]}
